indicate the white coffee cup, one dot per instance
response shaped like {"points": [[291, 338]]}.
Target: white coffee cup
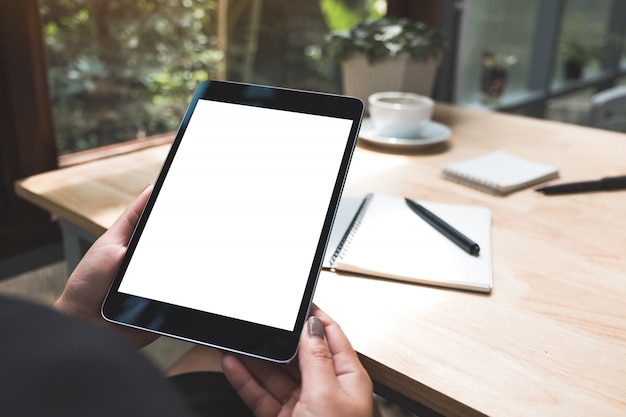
{"points": [[399, 114]]}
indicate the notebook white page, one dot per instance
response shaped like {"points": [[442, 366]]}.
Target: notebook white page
{"points": [[392, 241], [499, 172]]}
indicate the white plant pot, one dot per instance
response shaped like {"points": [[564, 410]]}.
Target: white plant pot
{"points": [[361, 79]]}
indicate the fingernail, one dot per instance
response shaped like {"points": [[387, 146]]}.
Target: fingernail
{"points": [[316, 327]]}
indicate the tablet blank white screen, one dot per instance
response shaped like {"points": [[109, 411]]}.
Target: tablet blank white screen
{"points": [[238, 219]]}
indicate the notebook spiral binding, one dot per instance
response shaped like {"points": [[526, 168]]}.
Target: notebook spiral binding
{"points": [[354, 226], [472, 181]]}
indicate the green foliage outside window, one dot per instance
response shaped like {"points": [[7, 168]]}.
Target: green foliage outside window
{"points": [[125, 69], [341, 15]]}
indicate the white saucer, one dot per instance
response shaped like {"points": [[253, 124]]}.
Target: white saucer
{"points": [[430, 134]]}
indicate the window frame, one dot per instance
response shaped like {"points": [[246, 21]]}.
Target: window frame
{"points": [[545, 47], [27, 146]]}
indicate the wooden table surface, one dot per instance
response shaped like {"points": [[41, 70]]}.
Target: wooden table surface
{"points": [[550, 340]]}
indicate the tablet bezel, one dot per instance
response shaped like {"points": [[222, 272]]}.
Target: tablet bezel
{"points": [[219, 331]]}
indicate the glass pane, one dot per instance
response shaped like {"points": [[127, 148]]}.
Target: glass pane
{"points": [[495, 45], [571, 108], [125, 69], [582, 40]]}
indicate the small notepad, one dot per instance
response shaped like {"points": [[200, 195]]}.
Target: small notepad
{"points": [[387, 239], [499, 173]]}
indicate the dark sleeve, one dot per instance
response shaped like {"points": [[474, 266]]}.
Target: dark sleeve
{"points": [[53, 365]]}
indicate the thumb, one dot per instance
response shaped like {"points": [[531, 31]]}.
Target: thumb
{"points": [[316, 360], [121, 231]]}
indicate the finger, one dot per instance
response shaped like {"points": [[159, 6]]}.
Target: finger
{"points": [[91, 278], [258, 399], [107, 252], [316, 360], [275, 378], [124, 226], [293, 369], [338, 344], [346, 365]]}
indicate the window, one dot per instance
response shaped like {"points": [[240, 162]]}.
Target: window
{"points": [[585, 25], [505, 30], [119, 70], [122, 70], [511, 56]]}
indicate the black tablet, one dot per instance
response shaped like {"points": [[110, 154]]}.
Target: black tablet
{"points": [[230, 244]]}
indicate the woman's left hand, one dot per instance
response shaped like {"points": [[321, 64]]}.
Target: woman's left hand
{"points": [[87, 286]]}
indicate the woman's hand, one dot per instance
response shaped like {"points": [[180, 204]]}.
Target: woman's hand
{"points": [[87, 286], [327, 379]]}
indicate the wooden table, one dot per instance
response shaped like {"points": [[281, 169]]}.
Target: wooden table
{"points": [[550, 340]]}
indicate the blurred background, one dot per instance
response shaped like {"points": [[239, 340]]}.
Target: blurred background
{"points": [[86, 79]]}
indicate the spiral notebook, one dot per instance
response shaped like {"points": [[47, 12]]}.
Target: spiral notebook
{"points": [[499, 173], [380, 236]]}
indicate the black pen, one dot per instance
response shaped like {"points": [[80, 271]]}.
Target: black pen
{"points": [[604, 184], [462, 241]]}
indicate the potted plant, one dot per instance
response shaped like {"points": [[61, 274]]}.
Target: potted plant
{"points": [[494, 74], [577, 54], [387, 54]]}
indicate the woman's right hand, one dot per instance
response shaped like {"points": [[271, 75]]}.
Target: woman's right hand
{"points": [[327, 379]]}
